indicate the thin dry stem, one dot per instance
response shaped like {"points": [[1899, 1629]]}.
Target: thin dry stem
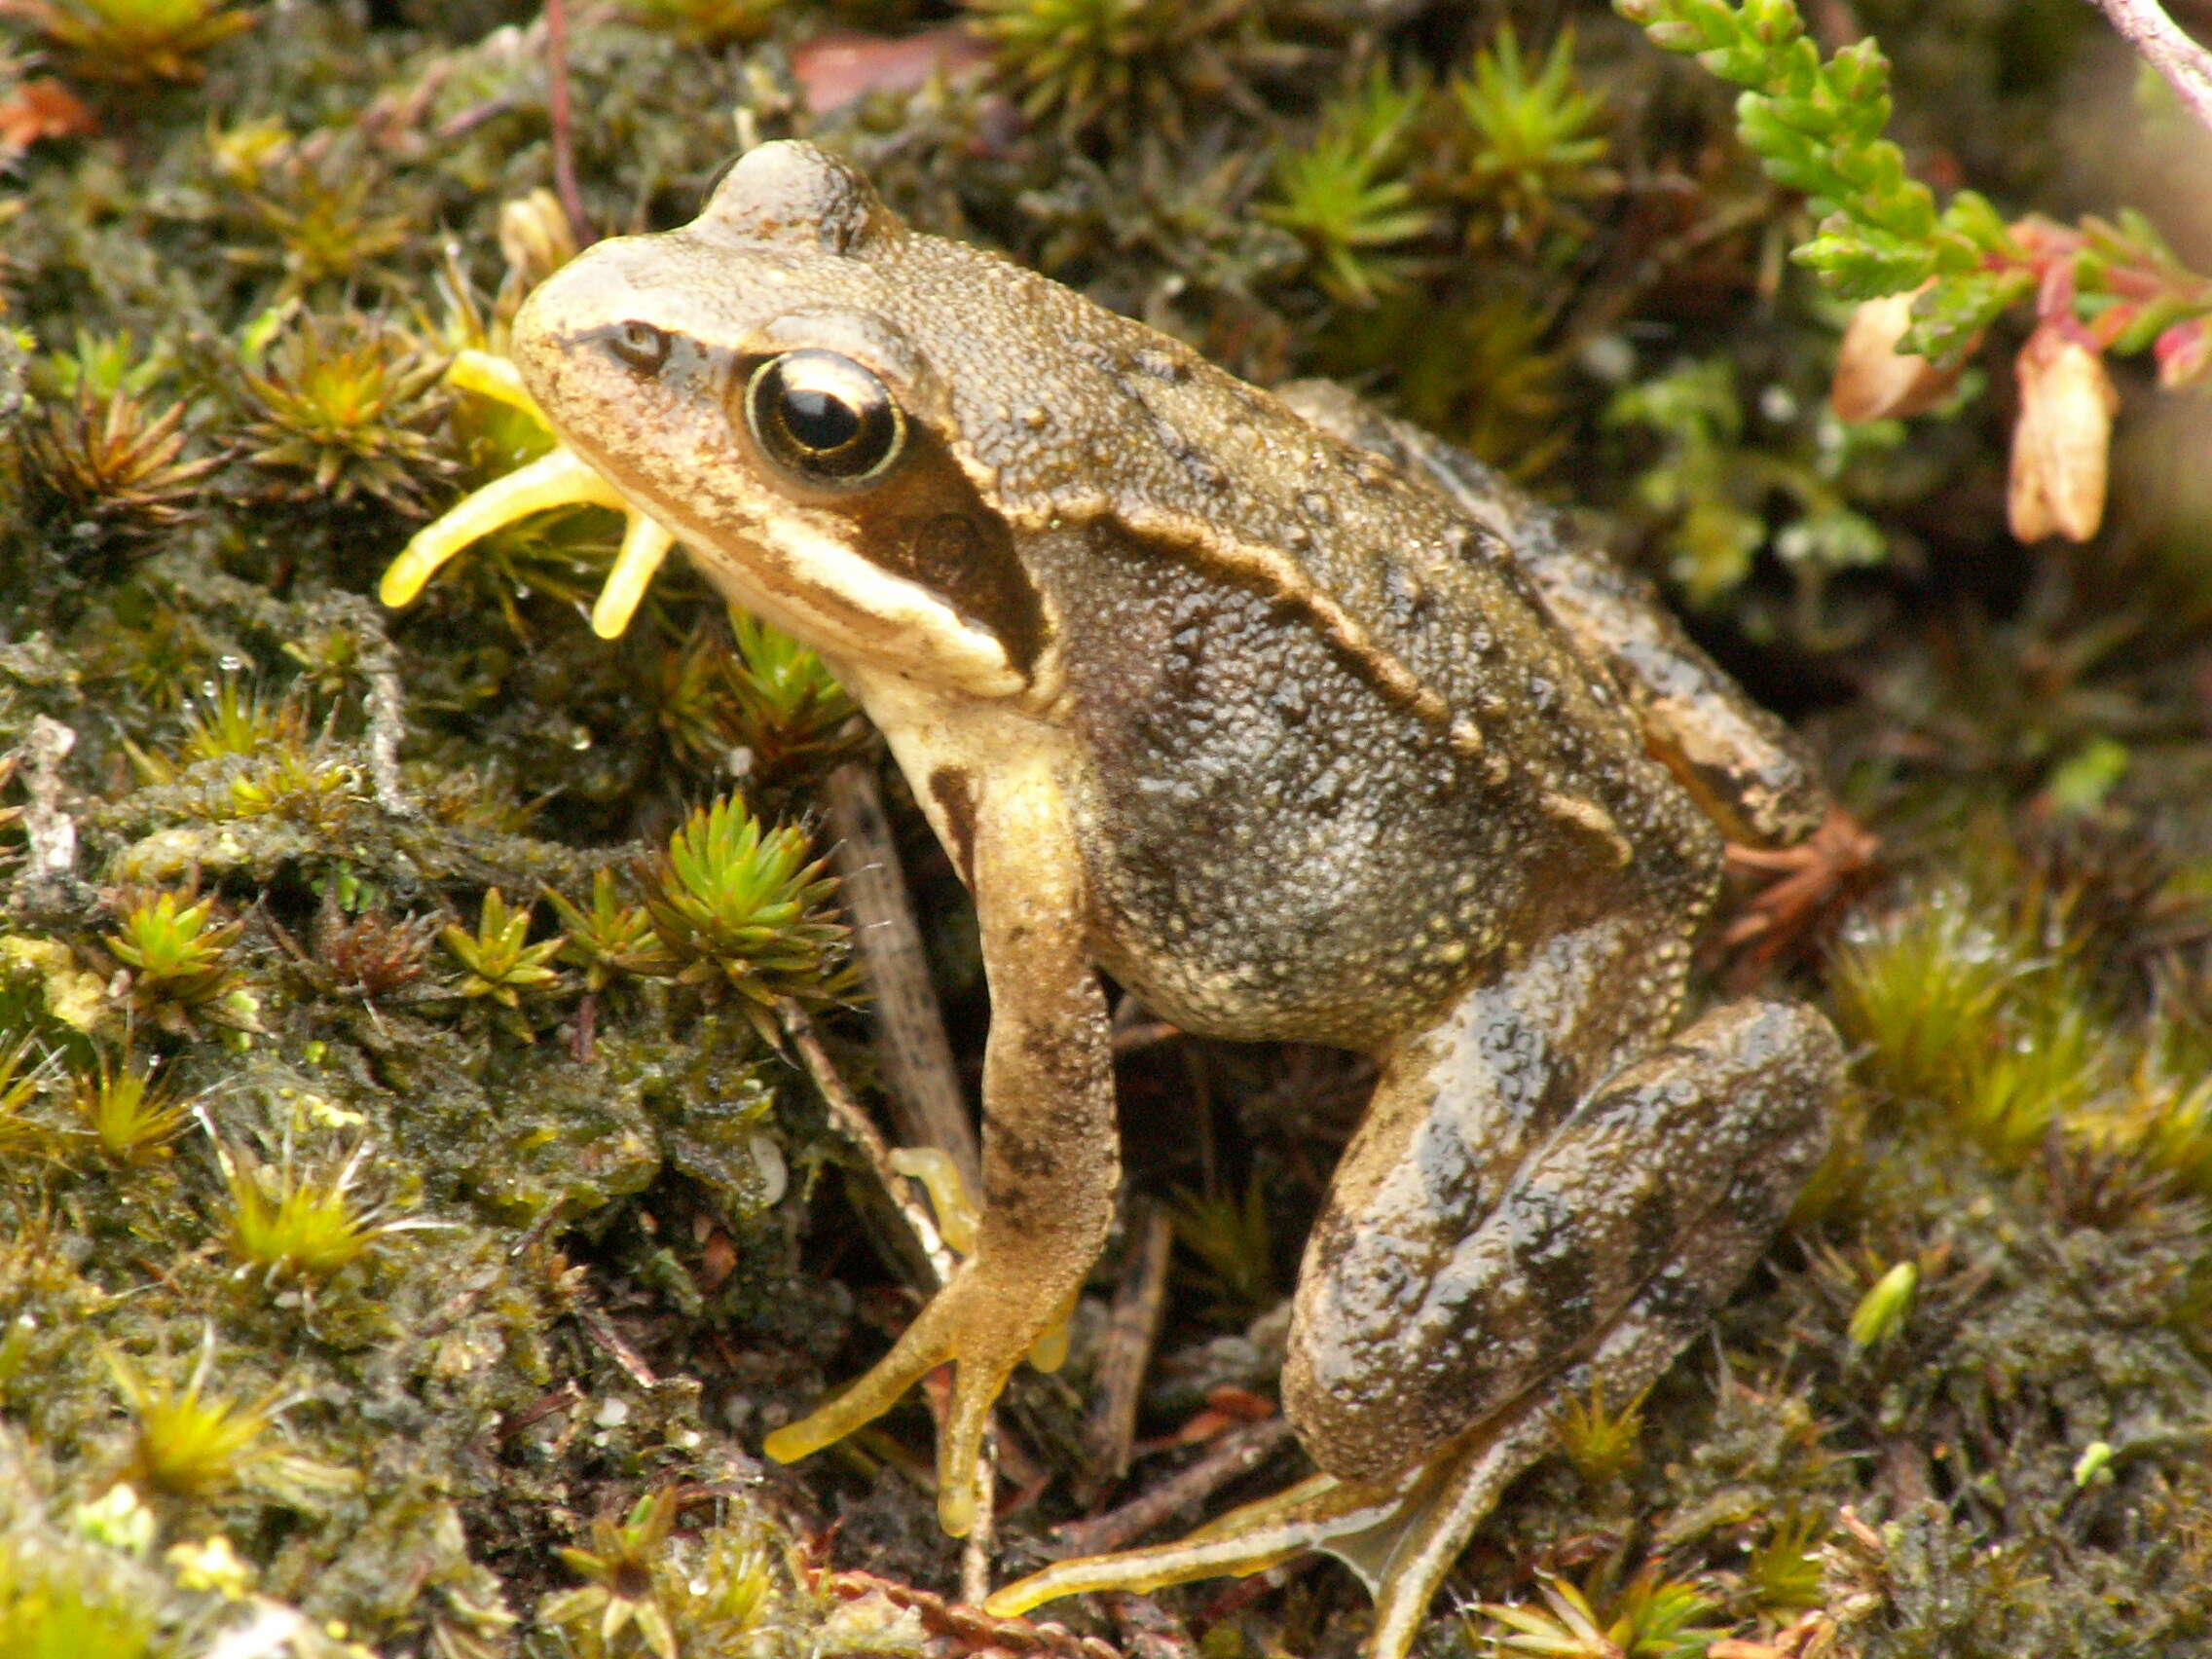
{"points": [[2186, 65], [47, 826], [1241, 1451], [1126, 1351], [386, 705], [600, 1329], [853, 1124], [926, 1098], [981, 1546], [562, 122]]}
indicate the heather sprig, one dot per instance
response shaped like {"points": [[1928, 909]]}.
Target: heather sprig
{"points": [[1819, 126], [2106, 286]]}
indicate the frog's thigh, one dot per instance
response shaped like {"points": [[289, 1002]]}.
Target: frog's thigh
{"points": [[1401, 1538], [1405, 1555], [1410, 1328]]}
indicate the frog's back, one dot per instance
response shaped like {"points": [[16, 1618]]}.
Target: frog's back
{"points": [[1338, 759]]}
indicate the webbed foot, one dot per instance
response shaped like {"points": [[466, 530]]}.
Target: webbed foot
{"points": [[1399, 1538], [1402, 1534], [984, 1325]]}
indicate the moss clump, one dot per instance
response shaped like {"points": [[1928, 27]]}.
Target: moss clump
{"points": [[739, 908], [462, 1228], [125, 1113], [346, 408], [131, 43], [111, 475], [188, 1440]]}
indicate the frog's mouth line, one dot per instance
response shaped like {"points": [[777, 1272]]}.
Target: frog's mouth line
{"points": [[564, 477]]}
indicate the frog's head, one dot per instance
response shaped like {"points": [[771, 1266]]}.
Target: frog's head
{"points": [[742, 381]]}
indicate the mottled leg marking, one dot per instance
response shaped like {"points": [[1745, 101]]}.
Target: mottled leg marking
{"points": [[1454, 1117], [1408, 1332], [1731, 1115], [1400, 1540]]}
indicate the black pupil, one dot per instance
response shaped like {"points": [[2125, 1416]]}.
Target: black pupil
{"points": [[819, 420], [824, 417]]}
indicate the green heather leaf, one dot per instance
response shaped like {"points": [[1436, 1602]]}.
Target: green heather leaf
{"points": [[1951, 314], [1863, 267], [1818, 128]]}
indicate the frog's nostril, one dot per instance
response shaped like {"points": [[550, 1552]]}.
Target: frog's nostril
{"points": [[639, 346]]}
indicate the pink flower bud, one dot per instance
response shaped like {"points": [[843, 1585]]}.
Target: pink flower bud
{"points": [[2061, 444], [2183, 353], [1874, 378]]}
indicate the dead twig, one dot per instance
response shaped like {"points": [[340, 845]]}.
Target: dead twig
{"points": [[1148, 1631], [857, 1126], [386, 702], [981, 1546], [2186, 65], [561, 121], [969, 1630], [600, 1329], [926, 1098], [48, 827], [1241, 1451], [1126, 1353]]}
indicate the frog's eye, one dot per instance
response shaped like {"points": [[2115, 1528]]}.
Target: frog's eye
{"points": [[640, 346], [824, 417]]}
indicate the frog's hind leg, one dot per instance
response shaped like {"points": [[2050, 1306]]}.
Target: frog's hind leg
{"points": [[1405, 1565], [1439, 1294], [1593, 1242], [1401, 1538]]}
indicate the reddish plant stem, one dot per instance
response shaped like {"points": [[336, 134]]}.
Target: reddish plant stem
{"points": [[562, 121], [2186, 65]]}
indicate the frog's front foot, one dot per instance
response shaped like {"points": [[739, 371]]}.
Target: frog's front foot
{"points": [[984, 1322]]}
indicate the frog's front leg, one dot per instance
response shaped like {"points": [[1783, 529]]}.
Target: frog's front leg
{"points": [[1511, 1228], [1051, 1161]]}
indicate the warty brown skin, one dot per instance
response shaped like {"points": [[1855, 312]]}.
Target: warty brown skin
{"points": [[1287, 738]]}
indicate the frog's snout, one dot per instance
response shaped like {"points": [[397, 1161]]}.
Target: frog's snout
{"points": [[580, 298]]}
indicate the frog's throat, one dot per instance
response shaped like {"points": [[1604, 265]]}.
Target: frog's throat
{"points": [[559, 478]]}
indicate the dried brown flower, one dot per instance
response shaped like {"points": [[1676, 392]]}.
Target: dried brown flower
{"points": [[1874, 380], [2062, 442]]}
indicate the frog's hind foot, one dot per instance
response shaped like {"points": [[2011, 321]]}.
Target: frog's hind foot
{"points": [[1401, 1535], [1400, 1539]]}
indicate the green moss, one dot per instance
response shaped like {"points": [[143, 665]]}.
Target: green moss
{"points": [[508, 1263], [189, 1441], [57, 1609], [134, 42]]}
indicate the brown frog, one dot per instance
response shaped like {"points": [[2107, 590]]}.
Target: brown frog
{"points": [[1300, 727]]}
